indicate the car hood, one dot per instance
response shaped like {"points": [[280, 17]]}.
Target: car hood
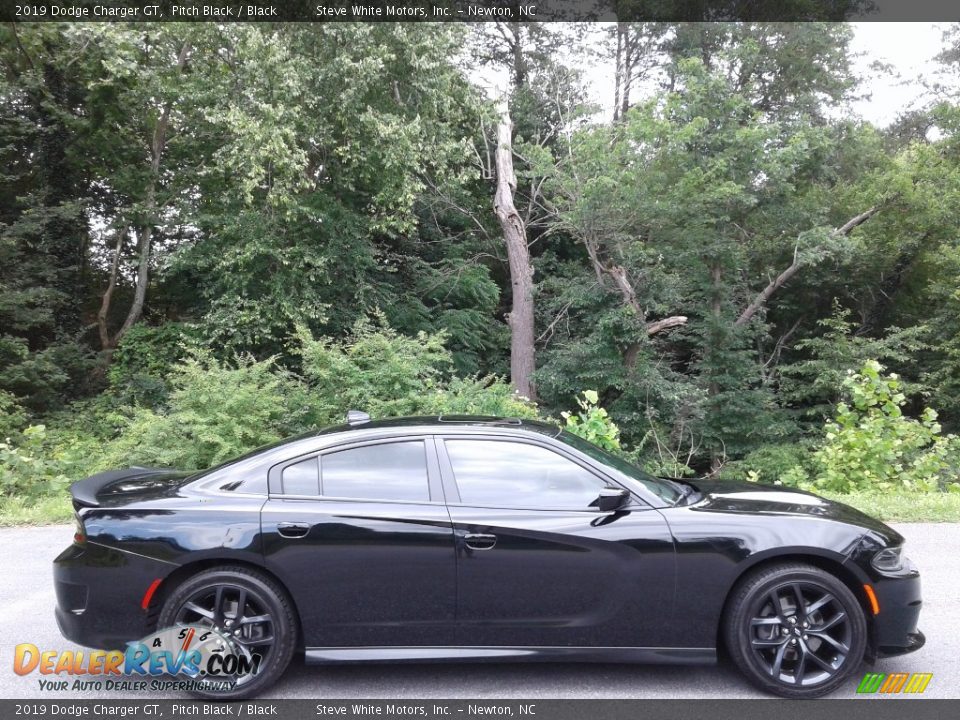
{"points": [[740, 496], [118, 487]]}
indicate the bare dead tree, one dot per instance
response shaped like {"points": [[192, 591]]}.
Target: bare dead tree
{"points": [[521, 316]]}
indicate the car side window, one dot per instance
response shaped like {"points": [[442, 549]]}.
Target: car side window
{"points": [[512, 474], [302, 478], [385, 471]]}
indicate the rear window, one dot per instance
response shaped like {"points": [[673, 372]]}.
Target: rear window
{"points": [[386, 471]]}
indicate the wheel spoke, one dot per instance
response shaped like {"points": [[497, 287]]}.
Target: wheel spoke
{"points": [[266, 640], [241, 605], [775, 600], [766, 621], [218, 602], [202, 612], [254, 619], [801, 610], [837, 645], [820, 661], [814, 606], [800, 669], [778, 661], [832, 622]]}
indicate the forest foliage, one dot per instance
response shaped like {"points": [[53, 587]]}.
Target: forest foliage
{"points": [[213, 237]]}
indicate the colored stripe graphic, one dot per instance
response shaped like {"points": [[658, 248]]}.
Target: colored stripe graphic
{"points": [[871, 682], [894, 683], [918, 682]]}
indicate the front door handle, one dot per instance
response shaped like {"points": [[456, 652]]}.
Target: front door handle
{"points": [[479, 541], [293, 529]]}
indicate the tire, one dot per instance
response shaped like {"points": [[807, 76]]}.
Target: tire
{"points": [[772, 647], [263, 598]]}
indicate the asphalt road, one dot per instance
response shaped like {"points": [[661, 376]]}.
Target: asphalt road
{"points": [[26, 615]]}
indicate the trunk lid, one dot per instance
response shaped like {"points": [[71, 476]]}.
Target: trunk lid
{"points": [[118, 487]]}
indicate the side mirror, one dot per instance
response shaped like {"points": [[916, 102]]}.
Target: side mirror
{"points": [[611, 499]]}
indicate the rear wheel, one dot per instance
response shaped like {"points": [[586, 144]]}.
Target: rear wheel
{"points": [[248, 609], [795, 630]]}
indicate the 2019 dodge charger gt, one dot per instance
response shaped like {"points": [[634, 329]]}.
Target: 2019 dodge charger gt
{"points": [[466, 538]]}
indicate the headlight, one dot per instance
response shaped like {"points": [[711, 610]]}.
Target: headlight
{"points": [[888, 559]]}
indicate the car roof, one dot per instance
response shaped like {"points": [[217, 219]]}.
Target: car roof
{"points": [[442, 423]]}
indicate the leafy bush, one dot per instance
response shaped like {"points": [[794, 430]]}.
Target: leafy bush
{"points": [[478, 396], [215, 411], [816, 382], [375, 369], [146, 355], [27, 470], [772, 464], [593, 423], [12, 417], [870, 444]]}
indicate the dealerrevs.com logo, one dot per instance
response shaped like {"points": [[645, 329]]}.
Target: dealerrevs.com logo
{"points": [[197, 658], [891, 683]]}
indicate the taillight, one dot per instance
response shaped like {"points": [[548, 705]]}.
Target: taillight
{"points": [[79, 533]]}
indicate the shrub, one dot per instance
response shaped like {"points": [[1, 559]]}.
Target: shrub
{"points": [[479, 396], [13, 418], [141, 363], [375, 369], [215, 411], [870, 444], [593, 423], [27, 469], [772, 464]]}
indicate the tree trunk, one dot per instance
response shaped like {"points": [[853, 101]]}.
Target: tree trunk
{"points": [[628, 61], [158, 144], [618, 73], [716, 310], [521, 318]]}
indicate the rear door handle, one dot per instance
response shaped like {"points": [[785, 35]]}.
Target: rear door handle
{"points": [[479, 541], [293, 529]]}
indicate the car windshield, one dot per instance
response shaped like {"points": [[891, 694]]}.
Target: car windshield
{"points": [[668, 491]]}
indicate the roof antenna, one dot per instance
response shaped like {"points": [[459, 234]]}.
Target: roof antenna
{"points": [[356, 417]]}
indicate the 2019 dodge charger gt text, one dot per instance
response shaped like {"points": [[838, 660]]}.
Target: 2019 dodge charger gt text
{"points": [[424, 539]]}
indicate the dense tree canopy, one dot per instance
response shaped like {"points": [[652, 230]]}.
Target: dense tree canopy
{"points": [[311, 208]]}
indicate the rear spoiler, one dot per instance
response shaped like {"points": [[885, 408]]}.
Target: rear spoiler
{"points": [[85, 491]]}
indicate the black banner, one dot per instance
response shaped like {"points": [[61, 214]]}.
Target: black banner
{"points": [[406, 709], [475, 10]]}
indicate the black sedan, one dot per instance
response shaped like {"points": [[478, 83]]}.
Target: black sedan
{"points": [[481, 539]]}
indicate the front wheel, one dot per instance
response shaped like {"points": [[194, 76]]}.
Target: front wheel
{"points": [[795, 630], [251, 612]]}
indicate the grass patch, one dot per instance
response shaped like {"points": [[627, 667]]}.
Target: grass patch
{"points": [[42, 511], [904, 506]]}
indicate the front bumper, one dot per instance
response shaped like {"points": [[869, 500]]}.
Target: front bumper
{"points": [[895, 626], [915, 640], [99, 592]]}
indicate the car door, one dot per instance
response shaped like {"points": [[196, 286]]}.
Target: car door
{"points": [[537, 565], [360, 535]]}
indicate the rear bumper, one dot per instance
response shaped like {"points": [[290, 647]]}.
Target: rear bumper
{"points": [[99, 593]]}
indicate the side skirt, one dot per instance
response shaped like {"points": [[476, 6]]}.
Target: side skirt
{"points": [[654, 655]]}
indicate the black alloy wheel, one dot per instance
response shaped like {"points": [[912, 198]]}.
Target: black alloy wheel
{"points": [[795, 630], [248, 609]]}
